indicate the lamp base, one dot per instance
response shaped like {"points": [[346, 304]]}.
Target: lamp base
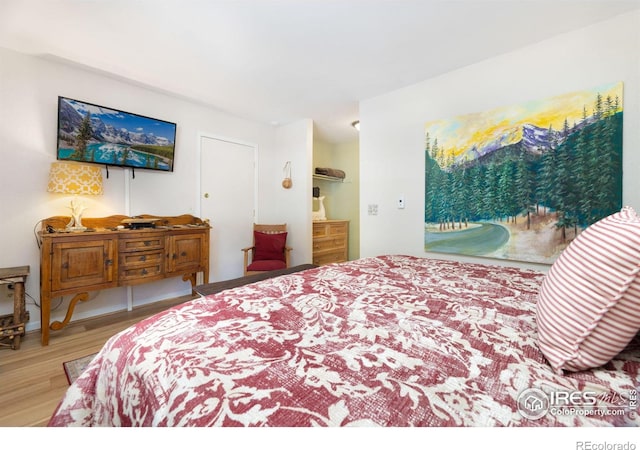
{"points": [[77, 208], [75, 228]]}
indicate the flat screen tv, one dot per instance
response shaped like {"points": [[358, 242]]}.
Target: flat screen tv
{"points": [[96, 134]]}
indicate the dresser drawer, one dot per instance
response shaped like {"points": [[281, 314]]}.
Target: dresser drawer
{"points": [[319, 229], [136, 259], [336, 256], [338, 228], [141, 274], [330, 243], [142, 243], [322, 229], [137, 266]]}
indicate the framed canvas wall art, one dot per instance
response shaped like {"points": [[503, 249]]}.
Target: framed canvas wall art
{"points": [[520, 182]]}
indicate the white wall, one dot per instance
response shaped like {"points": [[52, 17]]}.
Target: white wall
{"points": [[392, 125], [346, 156], [294, 143], [29, 90]]}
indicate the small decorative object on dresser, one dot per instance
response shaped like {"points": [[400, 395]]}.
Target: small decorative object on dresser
{"points": [[330, 241], [320, 213]]}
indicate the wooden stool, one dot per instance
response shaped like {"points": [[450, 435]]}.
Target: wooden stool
{"points": [[12, 325]]}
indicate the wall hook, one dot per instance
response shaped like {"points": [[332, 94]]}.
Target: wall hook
{"points": [[286, 182]]}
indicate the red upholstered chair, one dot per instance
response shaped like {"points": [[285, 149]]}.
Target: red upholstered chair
{"points": [[269, 250]]}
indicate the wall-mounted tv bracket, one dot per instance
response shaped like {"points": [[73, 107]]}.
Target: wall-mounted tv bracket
{"points": [[133, 171]]}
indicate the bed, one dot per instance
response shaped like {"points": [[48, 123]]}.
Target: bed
{"points": [[387, 341]]}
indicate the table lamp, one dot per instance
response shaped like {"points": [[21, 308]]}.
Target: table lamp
{"points": [[77, 179]]}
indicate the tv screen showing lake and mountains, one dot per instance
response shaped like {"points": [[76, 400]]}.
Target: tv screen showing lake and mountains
{"points": [[96, 134]]}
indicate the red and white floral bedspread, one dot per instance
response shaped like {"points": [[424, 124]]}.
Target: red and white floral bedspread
{"points": [[388, 341]]}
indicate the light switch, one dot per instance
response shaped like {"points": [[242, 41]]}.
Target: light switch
{"points": [[401, 202]]}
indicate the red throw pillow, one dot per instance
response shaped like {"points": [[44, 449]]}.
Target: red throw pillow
{"points": [[269, 246]]}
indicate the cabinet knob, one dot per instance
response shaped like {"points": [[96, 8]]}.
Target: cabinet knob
{"points": [[108, 262], [143, 258]]}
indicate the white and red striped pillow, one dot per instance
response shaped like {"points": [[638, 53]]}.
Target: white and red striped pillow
{"points": [[589, 302]]}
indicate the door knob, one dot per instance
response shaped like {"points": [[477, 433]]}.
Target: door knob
{"points": [[206, 195]]}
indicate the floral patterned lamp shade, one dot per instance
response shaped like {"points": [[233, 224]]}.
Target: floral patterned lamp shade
{"points": [[76, 179]]}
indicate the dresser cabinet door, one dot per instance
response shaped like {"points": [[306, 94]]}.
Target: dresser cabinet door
{"points": [[186, 252], [78, 264]]}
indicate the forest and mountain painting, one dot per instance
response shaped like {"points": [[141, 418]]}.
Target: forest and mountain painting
{"points": [[521, 182]]}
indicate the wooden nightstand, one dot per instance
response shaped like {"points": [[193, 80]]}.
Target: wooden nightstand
{"points": [[12, 325]]}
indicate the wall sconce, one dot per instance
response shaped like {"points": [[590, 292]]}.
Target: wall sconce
{"points": [[76, 179], [356, 125]]}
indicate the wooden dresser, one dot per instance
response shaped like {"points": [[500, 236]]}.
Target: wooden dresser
{"points": [[108, 256], [330, 241]]}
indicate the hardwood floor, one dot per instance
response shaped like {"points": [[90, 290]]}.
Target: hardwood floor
{"points": [[32, 380]]}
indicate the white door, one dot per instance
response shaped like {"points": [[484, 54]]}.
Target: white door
{"points": [[227, 199]]}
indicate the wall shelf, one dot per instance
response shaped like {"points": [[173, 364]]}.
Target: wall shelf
{"points": [[328, 178]]}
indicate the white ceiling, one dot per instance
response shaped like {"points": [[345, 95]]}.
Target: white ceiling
{"points": [[277, 61]]}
